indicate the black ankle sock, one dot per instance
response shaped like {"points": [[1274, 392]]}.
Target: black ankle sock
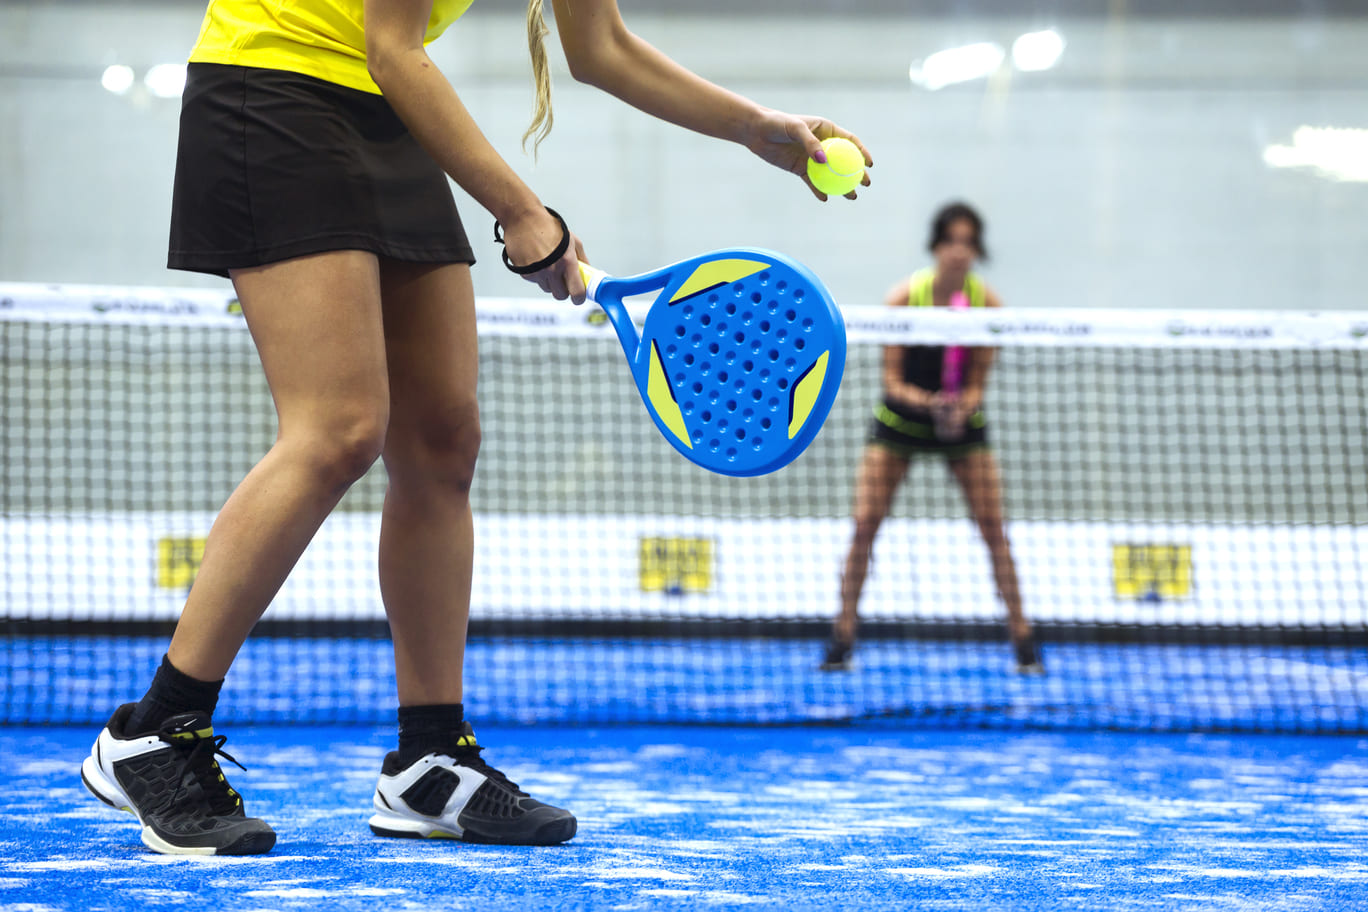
{"points": [[425, 729], [172, 692]]}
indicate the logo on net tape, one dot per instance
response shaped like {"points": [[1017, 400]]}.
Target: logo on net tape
{"points": [[1067, 330], [517, 318], [174, 308], [1251, 331]]}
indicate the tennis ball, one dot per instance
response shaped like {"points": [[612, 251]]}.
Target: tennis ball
{"points": [[844, 168]]}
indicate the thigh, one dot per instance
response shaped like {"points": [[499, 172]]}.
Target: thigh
{"points": [[316, 322], [432, 354], [881, 471], [978, 476]]}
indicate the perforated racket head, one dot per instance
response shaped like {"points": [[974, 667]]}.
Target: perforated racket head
{"points": [[740, 360]]}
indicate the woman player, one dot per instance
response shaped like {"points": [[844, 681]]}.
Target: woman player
{"points": [[919, 416], [316, 140]]}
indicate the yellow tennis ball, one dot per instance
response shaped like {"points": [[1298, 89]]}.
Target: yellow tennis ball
{"points": [[844, 168]]}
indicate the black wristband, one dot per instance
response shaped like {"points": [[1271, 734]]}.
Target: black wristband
{"points": [[541, 264]]}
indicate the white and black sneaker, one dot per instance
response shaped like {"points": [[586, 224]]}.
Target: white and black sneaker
{"points": [[171, 782], [457, 795]]}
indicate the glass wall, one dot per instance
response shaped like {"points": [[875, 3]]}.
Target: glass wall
{"points": [[1121, 159]]}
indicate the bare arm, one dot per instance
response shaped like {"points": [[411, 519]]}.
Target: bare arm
{"points": [[432, 111], [896, 389], [602, 52]]}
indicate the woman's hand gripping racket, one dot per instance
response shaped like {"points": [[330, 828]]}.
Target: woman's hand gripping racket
{"points": [[739, 358]]}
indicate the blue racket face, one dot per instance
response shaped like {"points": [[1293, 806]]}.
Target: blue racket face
{"points": [[740, 360]]}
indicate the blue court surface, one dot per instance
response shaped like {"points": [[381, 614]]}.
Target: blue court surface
{"points": [[1135, 686], [740, 818]]}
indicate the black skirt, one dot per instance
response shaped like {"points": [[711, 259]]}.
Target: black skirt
{"points": [[273, 165], [911, 432]]}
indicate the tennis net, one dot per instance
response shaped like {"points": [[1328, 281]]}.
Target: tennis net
{"points": [[1186, 495]]}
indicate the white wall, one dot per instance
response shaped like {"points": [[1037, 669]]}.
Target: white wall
{"points": [[1131, 176]]}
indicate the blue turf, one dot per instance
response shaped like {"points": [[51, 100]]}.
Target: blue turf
{"points": [[741, 818], [753, 681]]}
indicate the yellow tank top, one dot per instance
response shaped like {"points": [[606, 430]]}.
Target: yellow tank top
{"points": [[318, 38], [919, 289]]}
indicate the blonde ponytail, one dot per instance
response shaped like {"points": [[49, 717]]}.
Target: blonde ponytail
{"points": [[541, 74]]}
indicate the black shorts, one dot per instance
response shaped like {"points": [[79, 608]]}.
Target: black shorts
{"points": [[911, 433], [273, 165]]}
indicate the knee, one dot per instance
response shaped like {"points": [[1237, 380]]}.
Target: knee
{"points": [[438, 450], [345, 448], [866, 528], [994, 535]]}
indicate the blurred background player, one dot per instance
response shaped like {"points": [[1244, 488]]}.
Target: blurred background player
{"points": [[924, 415]]}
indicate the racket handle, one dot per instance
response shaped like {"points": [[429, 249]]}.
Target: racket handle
{"points": [[946, 430], [592, 279]]}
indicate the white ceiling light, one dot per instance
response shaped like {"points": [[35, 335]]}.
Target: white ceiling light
{"points": [[961, 64], [117, 78], [1037, 50], [166, 80], [1339, 154]]}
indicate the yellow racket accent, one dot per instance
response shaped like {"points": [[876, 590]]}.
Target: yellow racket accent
{"points": [[805, 394], [717, 272], [663, 401]]}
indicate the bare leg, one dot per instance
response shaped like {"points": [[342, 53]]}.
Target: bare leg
{"points": [[427, 533], [978, 476], [316, 323], [880, 473]]}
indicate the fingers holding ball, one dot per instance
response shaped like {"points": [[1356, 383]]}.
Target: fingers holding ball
{"points": [[843, 170]]}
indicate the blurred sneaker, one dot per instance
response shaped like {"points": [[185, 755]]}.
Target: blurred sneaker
{"points": [[171, 781], [457, 795], [838, 656], [1028, 657]]}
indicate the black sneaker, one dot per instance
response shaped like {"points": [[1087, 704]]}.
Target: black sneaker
{"points": [[171, 782], [456, 795], [1028, 658], [838, 656]]}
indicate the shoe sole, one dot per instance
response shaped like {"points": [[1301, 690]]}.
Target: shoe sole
{"points": [[553, 832], [98, 784]]}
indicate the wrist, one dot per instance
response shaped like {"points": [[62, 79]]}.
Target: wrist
{"points": [[917, 398], [751, 127], [514, 213], [526, 269]]}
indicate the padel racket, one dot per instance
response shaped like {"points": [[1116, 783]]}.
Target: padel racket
{"points": [[739, 358]]}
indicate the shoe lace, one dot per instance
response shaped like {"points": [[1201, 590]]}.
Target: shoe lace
{"points": [[198, 760], [469, 755]]}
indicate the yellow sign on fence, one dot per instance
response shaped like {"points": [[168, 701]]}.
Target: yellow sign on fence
{"points": [[1157, 572], [178, 560], [676, 565]]}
